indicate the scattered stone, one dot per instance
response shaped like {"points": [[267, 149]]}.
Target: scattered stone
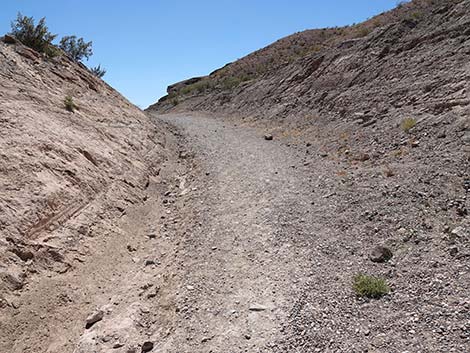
{"points": [[183, 155], [370, 122], [268, 137], [107, 338], [94, 318], [153, 294], [14, 281], [381, 254], [147, 346], [83, 230], [453, 251], [149, 262], [131, 248], [459, 232], [9, 39], [257, 307], [24, 255]]}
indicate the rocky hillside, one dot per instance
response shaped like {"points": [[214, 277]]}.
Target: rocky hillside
{"points": [[67, 173], [410, 60]]}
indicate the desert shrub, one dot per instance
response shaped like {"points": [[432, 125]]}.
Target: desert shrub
{"points": [[203, 86], [369, 286], [364, 31], [416, 15], [70, 104], [174, 101], [186, 90], [198, 87], [36, 37], [98, 71], [231, 82], [407, 124], [76, 48]]}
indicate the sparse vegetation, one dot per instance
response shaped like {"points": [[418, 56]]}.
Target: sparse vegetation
{"points": [[70, 104], [231, 82], [416, 15], [76, 48], [198, 87], [407, 124], [364, 31], [98, 71], [174, 101], [369, 286], [36, 37]]}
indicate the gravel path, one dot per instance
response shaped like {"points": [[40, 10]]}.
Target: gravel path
{"points": [[239, 275]]}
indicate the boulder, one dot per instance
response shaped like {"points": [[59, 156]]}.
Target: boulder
{"points": [[9, 39], [93, 318], [268, 137], [380, 254]]}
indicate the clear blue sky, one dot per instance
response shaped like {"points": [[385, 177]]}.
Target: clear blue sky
{"points": [[148, 44]]}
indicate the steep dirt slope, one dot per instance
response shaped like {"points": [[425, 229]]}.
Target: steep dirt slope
{"points": [[67, 179]]}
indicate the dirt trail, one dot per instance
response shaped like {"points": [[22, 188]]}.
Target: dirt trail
{"points": [[273, 234], [238, 270]]}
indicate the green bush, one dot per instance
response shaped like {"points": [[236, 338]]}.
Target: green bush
{"points": [[76, 48], [98, 71], [231, 82], [363, 32], [370, 287], [36, 37], [70, 104], [198, 87], [407, 124]]}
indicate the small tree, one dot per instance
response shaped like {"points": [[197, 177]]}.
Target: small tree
{"points": [[77, 49], [98, 71], [34, 36]]}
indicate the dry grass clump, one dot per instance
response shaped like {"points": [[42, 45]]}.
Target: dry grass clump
{"points": [[407, 124], [369, 286], [70, 104]]}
